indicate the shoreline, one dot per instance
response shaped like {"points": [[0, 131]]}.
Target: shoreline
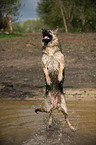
{"points": [[69, 93]]}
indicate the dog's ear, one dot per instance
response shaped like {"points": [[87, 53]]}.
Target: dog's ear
{"points": [[56, 30]]}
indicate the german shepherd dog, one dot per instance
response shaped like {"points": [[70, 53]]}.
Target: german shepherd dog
{"points": [[53, 67]]}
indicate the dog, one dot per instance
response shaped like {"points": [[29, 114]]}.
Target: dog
{"points": [[53, 68]]}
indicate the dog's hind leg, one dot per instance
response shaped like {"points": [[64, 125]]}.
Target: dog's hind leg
{"points": [[69, 124], [64, 111], [46, 107]]}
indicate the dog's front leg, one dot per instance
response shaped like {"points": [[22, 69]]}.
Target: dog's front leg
{"points": [[60, 75], [48, 80], [61, 66]]}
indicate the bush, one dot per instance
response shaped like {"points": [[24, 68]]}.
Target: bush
{"points": [[29, 26], [18, 27]]}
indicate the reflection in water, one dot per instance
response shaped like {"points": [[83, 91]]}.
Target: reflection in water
{"points": [[19, 125]]}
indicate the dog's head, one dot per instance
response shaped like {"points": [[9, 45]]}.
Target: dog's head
{"points": [[49, 36]]}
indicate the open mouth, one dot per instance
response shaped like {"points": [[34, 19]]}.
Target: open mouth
{"points": [[47, 37]]}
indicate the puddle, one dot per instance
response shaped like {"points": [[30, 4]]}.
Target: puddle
{"points": [[19, 125]]}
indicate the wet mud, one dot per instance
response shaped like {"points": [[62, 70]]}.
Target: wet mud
{"points": [[19, 125]]}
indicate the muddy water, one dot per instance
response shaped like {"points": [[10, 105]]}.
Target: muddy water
{"points": [[19, 125]]}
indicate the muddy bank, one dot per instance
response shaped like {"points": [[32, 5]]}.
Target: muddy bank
{"points": [[21, 72], [38, 94]]}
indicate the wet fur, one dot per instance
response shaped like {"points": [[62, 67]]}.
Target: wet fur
{"points": [[53, 67]]}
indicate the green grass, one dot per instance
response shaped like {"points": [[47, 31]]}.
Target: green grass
{"points": [[10, 35]]}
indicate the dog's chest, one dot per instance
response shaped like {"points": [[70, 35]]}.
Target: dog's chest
{"points": [[51, 61]]}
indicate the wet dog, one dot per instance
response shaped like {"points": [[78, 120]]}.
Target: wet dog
{"points": [[53, 67]]}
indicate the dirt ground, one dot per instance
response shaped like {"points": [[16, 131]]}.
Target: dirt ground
{"points": [[21, 74]]}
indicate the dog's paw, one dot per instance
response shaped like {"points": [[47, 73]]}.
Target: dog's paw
{"points": [[60, 77], [49, 81], [73, 129], [37, 110]]}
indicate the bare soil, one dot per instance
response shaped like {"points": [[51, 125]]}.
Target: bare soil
{"points": [[21, 74]]}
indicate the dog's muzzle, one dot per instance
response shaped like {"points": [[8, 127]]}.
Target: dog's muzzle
{"points": [[47, 37]]}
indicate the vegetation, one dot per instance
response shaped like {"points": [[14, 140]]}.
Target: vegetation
{"points": [[69, 14], [11, 35], [29, 26], [8, 9]]}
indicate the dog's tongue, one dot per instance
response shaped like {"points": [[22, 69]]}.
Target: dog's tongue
{"points": [[46, 37]]}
